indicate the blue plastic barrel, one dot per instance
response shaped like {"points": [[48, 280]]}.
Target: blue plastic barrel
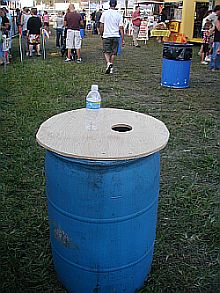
{"points": [[119, 46], [102, 210], [82, 33], [176, 65]]}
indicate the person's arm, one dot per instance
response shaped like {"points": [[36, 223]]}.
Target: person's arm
{"points": [[65, 21], [121, 28], [217, 25], [6, 24], [22, 19], [81, 21], [101, 28], [28, 27]]}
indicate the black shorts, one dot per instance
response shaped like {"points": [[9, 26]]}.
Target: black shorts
{"points": [[205, 48], [110, 45]]}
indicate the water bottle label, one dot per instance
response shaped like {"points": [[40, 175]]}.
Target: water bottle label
{"points": [[93, 105]]}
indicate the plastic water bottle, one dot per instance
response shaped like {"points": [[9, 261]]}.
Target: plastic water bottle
{"points": [[93, 104]]}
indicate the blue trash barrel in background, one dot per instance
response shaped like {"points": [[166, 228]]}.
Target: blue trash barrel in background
{"points": [[119, 46], [102, 189], [82, 33], [176, 65]]}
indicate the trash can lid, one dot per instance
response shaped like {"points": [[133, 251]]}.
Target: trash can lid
{"points": [[172, 44], [120, 135]]}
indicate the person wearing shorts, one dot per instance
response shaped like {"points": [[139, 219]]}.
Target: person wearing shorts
{"points": [[46, 20], [111, 27], [33, 32], [73, 21]]}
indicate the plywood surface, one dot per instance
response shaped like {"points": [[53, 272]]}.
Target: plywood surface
{"points": [[66, 134]]}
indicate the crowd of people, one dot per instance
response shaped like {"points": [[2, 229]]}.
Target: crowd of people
{"points": [[5, 35], [70, 29], [210, 49]]}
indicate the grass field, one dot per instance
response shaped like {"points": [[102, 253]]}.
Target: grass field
{"points": [[186, 257]]}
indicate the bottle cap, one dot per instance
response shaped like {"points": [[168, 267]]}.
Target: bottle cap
{"points": [[94, 87]]}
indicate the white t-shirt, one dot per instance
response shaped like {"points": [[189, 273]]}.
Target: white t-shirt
{"points": [[59, 22], [25, 20], [211, 17], [112, 20]]}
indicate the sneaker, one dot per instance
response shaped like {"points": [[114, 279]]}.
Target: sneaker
{"points": [[137, 46], [39, 54], [207, 58], [204, 62], [111, 70], [108, 68], [79, 60], [68, 60]]}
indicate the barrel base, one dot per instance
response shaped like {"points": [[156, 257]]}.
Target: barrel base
{"points": [[75, 279], [174, 87], [175, 74]]}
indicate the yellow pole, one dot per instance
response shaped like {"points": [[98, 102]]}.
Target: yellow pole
{"points": [[188, 18]]}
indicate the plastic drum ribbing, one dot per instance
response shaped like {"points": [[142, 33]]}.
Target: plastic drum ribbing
{"points": [[103, 213], [102, 221]]}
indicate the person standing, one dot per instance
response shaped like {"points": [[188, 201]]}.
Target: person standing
{"points": [[214, 15], [83, 15], [72, 22], [4, 30], [136, 21], [18, 18], [59, 29], [215, 58], [97, 20], [206, 42], [46, 20], [24, 19], [33, 32], [111, 26]]}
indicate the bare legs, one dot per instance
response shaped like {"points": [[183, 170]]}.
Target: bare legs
{"points": [[109, 58], [37, 49], [78, 53], [110, 61], [69, 53]]}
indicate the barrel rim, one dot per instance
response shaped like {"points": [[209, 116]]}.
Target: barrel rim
{"points": [[148, 135]]}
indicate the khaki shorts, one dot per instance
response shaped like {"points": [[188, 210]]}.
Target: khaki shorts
{"points": [[110, 45], [73, 40]]}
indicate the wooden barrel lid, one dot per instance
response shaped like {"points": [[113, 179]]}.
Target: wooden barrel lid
{"points": [[120, 135]]}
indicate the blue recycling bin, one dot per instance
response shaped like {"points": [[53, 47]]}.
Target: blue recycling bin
{"points": [[176, 65], [102, 190]]}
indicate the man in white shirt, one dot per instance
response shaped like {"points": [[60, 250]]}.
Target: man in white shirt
{"points": [[214, 15], [111, 27]]}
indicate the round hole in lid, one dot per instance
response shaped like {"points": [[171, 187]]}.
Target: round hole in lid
{"points": [[121, 127]]}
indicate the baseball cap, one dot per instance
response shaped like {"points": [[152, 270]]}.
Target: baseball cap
{"points": [[112, 3]]}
